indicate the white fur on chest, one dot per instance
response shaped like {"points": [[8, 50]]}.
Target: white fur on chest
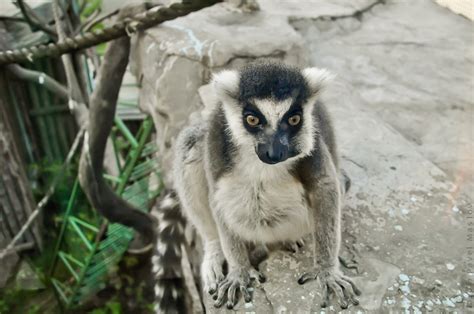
{"points": [[262, 203]]}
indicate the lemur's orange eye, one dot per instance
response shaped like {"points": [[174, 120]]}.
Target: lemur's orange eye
{"points": [[252, 120], [294, 120]]}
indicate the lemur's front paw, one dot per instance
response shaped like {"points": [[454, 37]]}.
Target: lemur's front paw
{"points": [[212, 271], [333, 281], [237, 280]]}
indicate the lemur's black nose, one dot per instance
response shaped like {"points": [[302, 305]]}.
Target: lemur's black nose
{"points": [[275, 156], [273, 151]]}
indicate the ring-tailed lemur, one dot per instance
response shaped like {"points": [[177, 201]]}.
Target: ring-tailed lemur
{"points": [[263, 168]]}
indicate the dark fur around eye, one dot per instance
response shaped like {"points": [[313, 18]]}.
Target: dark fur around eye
{"points": [[251, 110], [292, 129]]}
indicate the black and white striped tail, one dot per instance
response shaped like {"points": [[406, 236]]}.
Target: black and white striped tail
{"points": [[169, 287]]}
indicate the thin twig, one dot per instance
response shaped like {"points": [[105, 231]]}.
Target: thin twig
{"points": [[99, 20], [16, 249], [77, 101], [33, 20], [48, 194], [83, 7], [90, 19], [12, 19], [39, 78]]}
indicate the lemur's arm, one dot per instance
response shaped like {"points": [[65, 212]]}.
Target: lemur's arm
{"points": [[324, 196], [240, 270]]}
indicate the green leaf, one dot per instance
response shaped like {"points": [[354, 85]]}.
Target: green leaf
{"points": [[91, 6]]}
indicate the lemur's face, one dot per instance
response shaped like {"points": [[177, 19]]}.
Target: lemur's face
{"points": [[268, 107]]}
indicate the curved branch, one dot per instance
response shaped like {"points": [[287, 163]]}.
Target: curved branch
{"points": [[90, 24], [12, 19], [39, 78], [33, 20], [101, 118], [74, 88]]}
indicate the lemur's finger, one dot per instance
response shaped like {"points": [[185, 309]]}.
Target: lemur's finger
{"points": [[354, 286], [256, 275], [348, 291], [232, 295], [221, 294], [339, 294], [325, 302], [307, 277], [212, 289], [245, 292]]}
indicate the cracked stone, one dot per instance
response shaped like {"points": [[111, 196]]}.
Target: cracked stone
{"points": [[385, 96]]}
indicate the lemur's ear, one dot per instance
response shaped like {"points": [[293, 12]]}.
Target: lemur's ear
{"points": [[317, 79], [226, 84]]}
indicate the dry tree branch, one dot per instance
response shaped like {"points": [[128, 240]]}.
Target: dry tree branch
{"points": [[78, 98], [39, 78], [33, 20], [101, 118], [74, 89], [87, 27], [12, 19]]}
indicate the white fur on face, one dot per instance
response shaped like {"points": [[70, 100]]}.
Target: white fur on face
{"points": [[272, 110], [239, 135], [226, 85]]}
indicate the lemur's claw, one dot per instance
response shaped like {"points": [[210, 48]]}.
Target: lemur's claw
{"points": [[294, 247], [333, 281], [237, 280]]}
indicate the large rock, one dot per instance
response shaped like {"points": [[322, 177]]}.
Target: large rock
{"points": [[315, 9], [404, 224], [416, 73], [174, 59]]}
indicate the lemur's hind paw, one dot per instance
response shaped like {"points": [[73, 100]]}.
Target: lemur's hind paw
{"points": [[235, 284], [333, 281], [293, 247]]}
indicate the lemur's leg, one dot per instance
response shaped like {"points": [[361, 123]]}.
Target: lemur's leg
{"points": [[325, 198], [257, 254], [240, 271], [191, 186]]}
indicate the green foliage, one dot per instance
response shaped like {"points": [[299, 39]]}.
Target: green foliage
{"points": [[90, 7], [13, 300], [111, 307]]}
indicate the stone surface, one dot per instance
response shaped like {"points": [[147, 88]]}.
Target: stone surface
{"points": [[402, 106], [313, 9], [27, 279], [416, 73]]}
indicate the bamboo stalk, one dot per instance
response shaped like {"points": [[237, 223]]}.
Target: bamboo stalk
{"points": [[51, 128], [40, 123]]}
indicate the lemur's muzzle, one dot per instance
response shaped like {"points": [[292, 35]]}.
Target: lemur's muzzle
{"points": [[274, 149]]}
